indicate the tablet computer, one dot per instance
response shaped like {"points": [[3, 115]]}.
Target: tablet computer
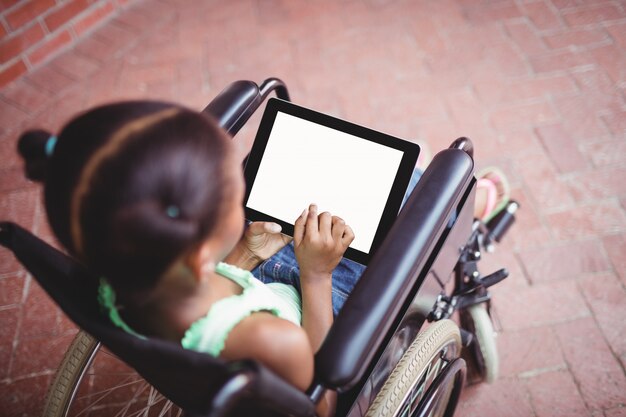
{"points": [[301, 156]]}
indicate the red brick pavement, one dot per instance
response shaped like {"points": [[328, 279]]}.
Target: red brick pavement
{"points": [[537, 84]]}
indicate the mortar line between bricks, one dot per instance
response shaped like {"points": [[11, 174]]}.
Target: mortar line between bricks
{"points": [[569, 370], [538, 371], [70, 46], [529, 396], [614, 270], [9, 380], [76, 82], [525, 272], [595, 320], [54, 93], [10, 274], [611, 200], [9, 306], [40, 216], [11, 103], [56, 97], [516, 47], [19, 106], [18, 328], [540, 213]]}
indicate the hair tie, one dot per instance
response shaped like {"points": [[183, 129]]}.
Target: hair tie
{"points": [[172, 211], [50, 144]]}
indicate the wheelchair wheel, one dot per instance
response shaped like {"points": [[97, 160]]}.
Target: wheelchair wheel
{"points": [[483, 349], [428, 379], [91, 381]]}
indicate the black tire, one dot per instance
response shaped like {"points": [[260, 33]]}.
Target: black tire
{"points": [[483, 349], [90, 378], [411, 379]]}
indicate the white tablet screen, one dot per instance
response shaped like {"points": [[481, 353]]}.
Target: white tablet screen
{"points": [[305, 163]]}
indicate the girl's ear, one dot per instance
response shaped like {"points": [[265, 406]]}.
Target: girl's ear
{"points": [[201, 260]]}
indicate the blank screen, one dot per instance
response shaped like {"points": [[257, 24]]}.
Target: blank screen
{"points": [[305, 163]]}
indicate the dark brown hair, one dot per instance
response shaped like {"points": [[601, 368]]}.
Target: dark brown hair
{"points": [[131, 186]]}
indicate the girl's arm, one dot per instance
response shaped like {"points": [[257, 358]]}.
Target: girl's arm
{"points": [[283, 347], [319, 243], [280, 345]]}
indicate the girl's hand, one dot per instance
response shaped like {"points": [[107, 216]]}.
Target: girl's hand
{"points": [[320, 241], [263, 239], [260, 241]]}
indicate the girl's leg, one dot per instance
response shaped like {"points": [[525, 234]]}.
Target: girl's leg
{"points": [[283, 267]]}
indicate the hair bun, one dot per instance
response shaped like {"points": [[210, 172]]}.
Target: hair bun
{"points": [[32, 147]]}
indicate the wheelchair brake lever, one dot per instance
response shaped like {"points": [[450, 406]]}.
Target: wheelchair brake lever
{"points": [[494, 278], [494, 230], [500, 224]]}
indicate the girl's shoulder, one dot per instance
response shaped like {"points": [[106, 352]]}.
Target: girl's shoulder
{"points": [[241, 276]]}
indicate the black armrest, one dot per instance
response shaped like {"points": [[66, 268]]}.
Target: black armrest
{"points": [[374, 304], [252, 385], [236, 103]]}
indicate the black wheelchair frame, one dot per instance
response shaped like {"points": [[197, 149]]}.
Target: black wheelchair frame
{"points": [[402, 289]]}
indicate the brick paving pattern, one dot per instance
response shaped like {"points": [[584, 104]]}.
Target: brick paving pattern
{"points": [[537, 84]]}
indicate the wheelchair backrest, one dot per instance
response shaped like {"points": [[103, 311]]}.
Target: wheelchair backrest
{"points": [[74, 289]]}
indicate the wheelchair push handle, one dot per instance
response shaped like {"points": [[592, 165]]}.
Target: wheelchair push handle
{"points": [[464, 144], [234, 105]]}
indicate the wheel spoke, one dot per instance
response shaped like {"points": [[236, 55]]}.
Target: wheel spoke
{"points": [[96, 386], [146, 409], [105, 393], [123, 411], [166, 409], [98, 373], [109, 390]]}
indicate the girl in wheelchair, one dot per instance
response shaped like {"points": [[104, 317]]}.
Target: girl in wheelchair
{"points": [[149, 195]]}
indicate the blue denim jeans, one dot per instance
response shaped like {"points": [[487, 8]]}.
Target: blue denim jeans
{"points": [[283, 267]]}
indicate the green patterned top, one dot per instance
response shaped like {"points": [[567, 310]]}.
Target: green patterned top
{"points": [[208, 334]]}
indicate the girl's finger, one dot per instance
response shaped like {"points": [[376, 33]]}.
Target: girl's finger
{"points": [[256, 228], [259, 228], [312, 221], [348, 236], [338, 227], [325, 224], [298, 227], [271, 227]]}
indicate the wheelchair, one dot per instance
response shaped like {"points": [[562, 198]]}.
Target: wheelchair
{"points": [[393, 350]]}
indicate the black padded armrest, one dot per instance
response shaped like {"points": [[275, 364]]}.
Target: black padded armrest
{"points": [[236, 103], [254, 388], [374, 304]]}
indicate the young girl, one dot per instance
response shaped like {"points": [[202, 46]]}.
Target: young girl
{"points": [[149, 196]]}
